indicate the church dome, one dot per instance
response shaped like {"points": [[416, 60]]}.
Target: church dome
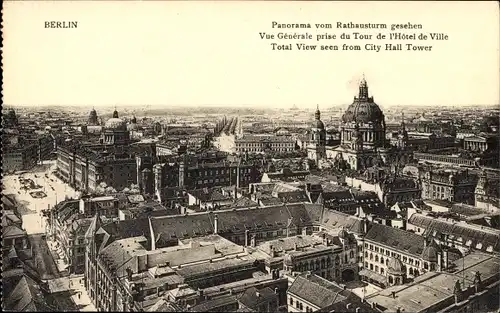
{"points": [[363, 109], [395, 266], [431, 252], [363, 112], [317, 123], [115, 124]]}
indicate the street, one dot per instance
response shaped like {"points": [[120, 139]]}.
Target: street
{"points": [[55, 189], [44, 261]]}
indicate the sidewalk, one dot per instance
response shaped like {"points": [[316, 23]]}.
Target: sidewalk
{"points": [[58, 256]]}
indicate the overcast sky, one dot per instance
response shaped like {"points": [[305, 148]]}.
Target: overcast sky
{"points": [[210, 53]]}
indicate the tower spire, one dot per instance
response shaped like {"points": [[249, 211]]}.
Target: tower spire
{"points": [[317, 115], [363, 88]]}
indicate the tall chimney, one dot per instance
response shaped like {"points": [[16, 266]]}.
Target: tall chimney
{"points": [[216, 224]]}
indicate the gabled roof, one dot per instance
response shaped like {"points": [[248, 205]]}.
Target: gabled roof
{"points": [[26, 296], [316, 290], [474, 236], [396, 238], [252, 297], [12, 231], [244, 202]]}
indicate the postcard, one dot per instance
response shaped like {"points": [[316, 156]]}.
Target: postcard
{"points": [[250, 156]]}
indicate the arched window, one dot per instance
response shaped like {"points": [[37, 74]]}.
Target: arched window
{"points": [[351, 254], [391, 280], [376, 258], [345, 258], [366, 254], [410, 271], [371, 256]]}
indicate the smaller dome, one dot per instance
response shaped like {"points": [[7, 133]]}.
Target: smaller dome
{"points": [[343, 234], [431, 252], [288, 260], [395, 266], [318, 124], [115, 124]]}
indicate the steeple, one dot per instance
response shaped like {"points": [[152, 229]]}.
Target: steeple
{"points": [[115, 113], [317, 115], [363, 89], [403, 133], [134, 120]]}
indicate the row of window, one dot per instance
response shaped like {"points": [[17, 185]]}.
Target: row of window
{"points": [[405, 259], [299, 305], [263, 144], [218, 172], [412, 271]]}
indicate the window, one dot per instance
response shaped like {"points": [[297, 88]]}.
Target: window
{"points": [[291, 301]]}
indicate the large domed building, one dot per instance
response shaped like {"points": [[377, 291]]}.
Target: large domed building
{"points": [[365, 116], [362, 132], [115, 131]]}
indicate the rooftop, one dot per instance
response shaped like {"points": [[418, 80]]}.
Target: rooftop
{"points": [[432, 288], [396, 238]]}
